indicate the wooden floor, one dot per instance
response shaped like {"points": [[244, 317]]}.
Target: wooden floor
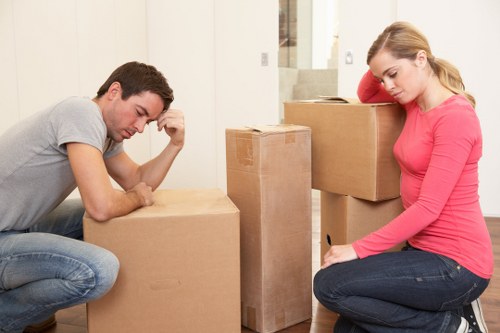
{"points": [[491, 297], [73, 320]]}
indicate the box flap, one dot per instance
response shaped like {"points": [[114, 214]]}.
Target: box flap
{"points": [[337, 100], [276, 128], [271, 129]]}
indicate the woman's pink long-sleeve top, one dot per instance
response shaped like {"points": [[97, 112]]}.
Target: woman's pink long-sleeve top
{"points": [[438, 153]]}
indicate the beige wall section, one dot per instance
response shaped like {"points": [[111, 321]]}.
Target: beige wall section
{"points": [[246, 92], [211, 54], [181, 44], [360, 21], [46, 52], [9, 104]]}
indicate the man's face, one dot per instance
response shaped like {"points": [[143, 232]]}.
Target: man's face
{"points": [[127, 117]]}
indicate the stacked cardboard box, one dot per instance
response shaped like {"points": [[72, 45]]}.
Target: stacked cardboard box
{"points": [[269, 180], [352, 165], [352, 146], [345, 218], [179, 266]]}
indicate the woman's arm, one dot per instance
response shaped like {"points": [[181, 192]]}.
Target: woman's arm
{"points": [[370, 90]]}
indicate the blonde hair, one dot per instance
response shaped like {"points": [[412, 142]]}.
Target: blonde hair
{"points": [[403, 40]]}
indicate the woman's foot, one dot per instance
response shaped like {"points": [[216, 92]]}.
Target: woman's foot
{"points": [[474, 315], [464, 326]]}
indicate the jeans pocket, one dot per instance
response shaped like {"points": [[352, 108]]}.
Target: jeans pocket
{"points": [[451, 268], [461, 300], [467, 287]]}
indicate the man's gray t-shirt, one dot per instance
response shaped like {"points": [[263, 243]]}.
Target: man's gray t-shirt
{"points": [[35, 174]]}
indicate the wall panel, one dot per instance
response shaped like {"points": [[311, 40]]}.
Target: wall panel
{"points": [[8, 80]]}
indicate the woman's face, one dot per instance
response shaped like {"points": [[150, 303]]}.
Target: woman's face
{"points": [[403, 79]]}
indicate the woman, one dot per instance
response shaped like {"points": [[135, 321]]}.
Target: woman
{"points": [[433, 285]]}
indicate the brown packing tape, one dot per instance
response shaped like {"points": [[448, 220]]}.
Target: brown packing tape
{"points": [[244, 151]]}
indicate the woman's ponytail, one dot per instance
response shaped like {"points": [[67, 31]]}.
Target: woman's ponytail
{"points": [[450, 77]]}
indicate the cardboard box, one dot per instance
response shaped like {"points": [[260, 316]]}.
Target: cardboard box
{"points": [[347, 219], [269, 180], [179, 266], [352, 146]]}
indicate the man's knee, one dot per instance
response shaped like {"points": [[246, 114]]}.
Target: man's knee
{"points": [[106, 273]]}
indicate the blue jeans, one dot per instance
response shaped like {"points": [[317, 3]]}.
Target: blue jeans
{"points": [[408, 291], [48, 267]]}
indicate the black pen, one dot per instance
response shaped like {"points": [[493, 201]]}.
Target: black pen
{"points": [[328, 239]]}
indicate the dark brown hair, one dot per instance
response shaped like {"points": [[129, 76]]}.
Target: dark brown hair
{"points": [[135, 78]]}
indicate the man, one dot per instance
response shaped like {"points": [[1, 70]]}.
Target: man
{"points": [[78, 142]]}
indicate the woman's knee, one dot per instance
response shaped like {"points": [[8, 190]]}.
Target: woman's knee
{"points": [[328, 286], [321, 285]]}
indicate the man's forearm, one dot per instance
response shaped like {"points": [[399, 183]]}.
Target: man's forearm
{"points": [[120, 203], [154, 172]]}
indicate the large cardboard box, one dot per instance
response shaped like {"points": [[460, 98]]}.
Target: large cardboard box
{"points": [[346, 219], [269, 180], [179, 266], [352, 146]]}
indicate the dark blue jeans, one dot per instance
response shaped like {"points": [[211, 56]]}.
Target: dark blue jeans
{"points": [[408, 291]]}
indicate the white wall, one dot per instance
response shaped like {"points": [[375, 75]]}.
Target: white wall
{"points": [[246, 92], [304, 34], [181, 44], [211, 52], [360, 22], [316, 27], [323, 31], [461, 31]]}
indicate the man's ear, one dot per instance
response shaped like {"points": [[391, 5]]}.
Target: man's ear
{"points": [[115, 90]]}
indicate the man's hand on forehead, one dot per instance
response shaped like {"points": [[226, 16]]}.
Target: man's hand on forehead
{"points": [[172, 121]]}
